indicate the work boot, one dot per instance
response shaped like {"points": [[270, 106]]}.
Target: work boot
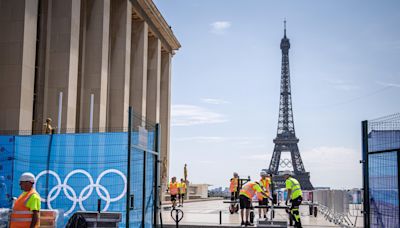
{"points": [[248, 224], [242, 224]]}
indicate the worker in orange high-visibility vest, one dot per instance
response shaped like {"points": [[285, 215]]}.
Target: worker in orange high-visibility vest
{"points": [[25, 213], [233, 186], [245, 196], [182, 191], [173, 190], [263, 201]]}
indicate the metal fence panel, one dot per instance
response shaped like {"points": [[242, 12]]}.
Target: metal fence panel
{"points": [[383, 189], [73, 171]]}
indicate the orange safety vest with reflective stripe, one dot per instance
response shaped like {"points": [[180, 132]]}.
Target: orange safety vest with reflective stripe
{"points": [[233, 185], [248, 190], [173, 188], [21, 216], [265, 184]]}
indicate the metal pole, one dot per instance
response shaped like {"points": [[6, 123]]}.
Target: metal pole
{"points": [[365, 172], [48, 166], [60, 101], [128, 170], [91, 113], [157, 187], [144, 188]]}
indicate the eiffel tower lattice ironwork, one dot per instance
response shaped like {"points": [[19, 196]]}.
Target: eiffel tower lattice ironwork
{"points": [[286, 140]]}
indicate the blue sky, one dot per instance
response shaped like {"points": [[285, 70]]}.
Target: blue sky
{"points": [[345, 68]]}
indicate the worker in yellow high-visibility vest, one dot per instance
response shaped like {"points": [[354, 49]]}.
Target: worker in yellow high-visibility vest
{"points": [[246, 195], [263, 201], [182, 191], [25, 213], [295, 195]]}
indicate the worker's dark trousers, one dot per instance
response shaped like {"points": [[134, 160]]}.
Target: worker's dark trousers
{"points": [[234, 196], [294, 211]]}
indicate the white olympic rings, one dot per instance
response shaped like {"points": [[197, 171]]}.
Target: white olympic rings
{"points": [[85, 193]]}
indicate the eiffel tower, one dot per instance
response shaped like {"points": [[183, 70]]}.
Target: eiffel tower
{"points": [[286, 140]]}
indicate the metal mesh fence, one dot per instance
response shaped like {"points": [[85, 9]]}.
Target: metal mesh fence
{"points": [[74, 171], [381, 162]]}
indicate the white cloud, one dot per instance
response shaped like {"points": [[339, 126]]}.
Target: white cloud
{"points": [[388, 84], [220, 139], [336, 167], [342, 85], [214, 101], [203, 139], [219, 27], [188, 115]]}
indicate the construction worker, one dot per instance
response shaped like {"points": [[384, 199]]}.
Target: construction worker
{"points": [[246, 194], [295, 195], [233, 186], [263, 201], [182, 191], [173, 191], [25, 213]]}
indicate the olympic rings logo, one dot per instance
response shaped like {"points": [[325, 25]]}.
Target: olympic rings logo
{"points": [[86, 192]]}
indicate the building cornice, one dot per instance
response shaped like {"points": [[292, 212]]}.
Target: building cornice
{"points": [[154, 15]]}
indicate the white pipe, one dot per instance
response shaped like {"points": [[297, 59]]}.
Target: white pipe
{"points": [[91, 113], [60, 100]]}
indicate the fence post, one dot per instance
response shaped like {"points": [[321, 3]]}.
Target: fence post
{"points": [[48, 167], [128, 168], [365, 172], [144, 188], [157, 187]]}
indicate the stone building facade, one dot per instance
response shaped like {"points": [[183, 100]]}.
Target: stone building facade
{"points": [[82, 63]]}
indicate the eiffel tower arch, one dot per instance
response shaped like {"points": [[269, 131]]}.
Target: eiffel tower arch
{"points": [[286, 140]]}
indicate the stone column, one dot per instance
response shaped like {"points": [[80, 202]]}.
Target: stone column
{"points": [[138, 83], [18, 23], [63, 63], [153, 80], [120, 60], [165, 113], [95, 64]]}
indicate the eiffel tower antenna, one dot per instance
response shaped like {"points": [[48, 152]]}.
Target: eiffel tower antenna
{"points": [[286, 140]]}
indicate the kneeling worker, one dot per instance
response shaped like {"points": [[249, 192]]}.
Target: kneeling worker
{"points": [[245, 196], [25, 213], [295, 195]]}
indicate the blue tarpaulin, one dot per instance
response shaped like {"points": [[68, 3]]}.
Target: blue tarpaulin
{"points": [[73, 171]]}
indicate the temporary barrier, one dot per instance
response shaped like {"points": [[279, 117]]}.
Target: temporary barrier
{"points": [[381, 159], [335, 206], [74, 171]]}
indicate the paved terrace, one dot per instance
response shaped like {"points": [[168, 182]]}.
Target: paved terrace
{"points": [[206, 214]]}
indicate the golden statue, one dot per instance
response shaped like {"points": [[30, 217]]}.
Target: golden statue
{"points": [[185, 173], [48, 129]]}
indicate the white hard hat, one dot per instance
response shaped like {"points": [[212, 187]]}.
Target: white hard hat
{"points": [[235, 174], [263, 173], [27, 177], [286, 172]]}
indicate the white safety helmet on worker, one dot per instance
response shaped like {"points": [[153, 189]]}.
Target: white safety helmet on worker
{"points": [[263, 173], [27, 177]]}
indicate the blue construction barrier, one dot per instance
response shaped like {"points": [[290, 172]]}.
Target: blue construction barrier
{"points": [[74, 171]]}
